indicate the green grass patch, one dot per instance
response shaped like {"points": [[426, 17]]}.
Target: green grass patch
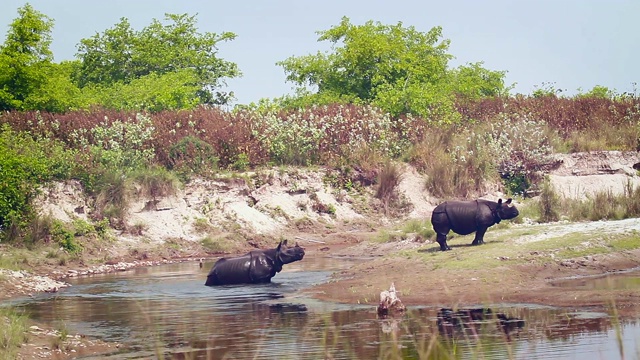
{"points": [[528, 209], [9, 262], [501, 248], [581, 248], [420, 227], [629, 242], [413, 227]]}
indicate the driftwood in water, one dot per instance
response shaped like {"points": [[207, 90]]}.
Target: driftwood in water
{"points": [[390, 303]]}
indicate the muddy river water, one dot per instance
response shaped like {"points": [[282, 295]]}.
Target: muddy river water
{"points": [[167, 312]]}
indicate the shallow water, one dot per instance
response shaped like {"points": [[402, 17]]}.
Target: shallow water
{"points": [[624, 280], [168, 310]]}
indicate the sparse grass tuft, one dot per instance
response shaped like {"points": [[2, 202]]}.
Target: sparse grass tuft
{"points": [[423, 228], [111, 198], [155, 182], [455, 162], [215, 245], [387, 189], [202, 226], [58, 342], [13, 331], [548, 203], [138, 228]]}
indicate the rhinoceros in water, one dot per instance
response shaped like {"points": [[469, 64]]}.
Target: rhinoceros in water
{"points": [[465, 217], [256, 266]]}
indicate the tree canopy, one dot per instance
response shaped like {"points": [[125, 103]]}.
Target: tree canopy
{"points": [[170, 65], [398, 68], [25, 60], [165, 66], [121, 55]]}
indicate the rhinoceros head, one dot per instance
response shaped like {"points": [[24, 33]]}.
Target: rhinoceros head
{"points": [[288, 254], [506, 210]]}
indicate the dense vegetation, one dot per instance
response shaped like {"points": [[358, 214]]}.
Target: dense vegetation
{"points": [[141, 106]]}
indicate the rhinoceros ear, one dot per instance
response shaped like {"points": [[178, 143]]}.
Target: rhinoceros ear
{"points": [[499, 202], [509, 201]]}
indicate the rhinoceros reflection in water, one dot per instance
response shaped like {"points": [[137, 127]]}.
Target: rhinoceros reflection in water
{"points": [[254, 267], [452, 323]]}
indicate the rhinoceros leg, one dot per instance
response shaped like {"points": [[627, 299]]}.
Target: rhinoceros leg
{"points": [[261, 268], [479, 239], [441, 226], [442, 240]]}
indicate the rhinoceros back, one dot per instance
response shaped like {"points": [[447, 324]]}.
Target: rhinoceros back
{"points": [[462, 216], [230, 271]]}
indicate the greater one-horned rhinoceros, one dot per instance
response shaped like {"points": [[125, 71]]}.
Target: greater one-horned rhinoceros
{"points": [[465, 217], [256, 266]]}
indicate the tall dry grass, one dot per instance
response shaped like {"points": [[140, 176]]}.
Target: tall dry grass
{"points": [[603, 205], [387, 187]]}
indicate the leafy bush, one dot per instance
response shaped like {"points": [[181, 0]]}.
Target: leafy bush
{"points": [[191, 155], [118, 144], [65, 237], [24, 165], [520, 147], [396, 68], [82, 227], [320, 134]]}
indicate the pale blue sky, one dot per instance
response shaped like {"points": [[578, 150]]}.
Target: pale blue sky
{"points": [[572, 43]]}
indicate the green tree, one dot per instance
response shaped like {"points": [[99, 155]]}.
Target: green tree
{"points": [[121, 55], [29, 80], [23, 57], [473, 81], [397, 68], [57, 92], [171, 91]]}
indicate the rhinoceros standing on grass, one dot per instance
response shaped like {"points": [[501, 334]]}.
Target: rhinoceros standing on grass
{"points": [[254, 267], [465, 217]]}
